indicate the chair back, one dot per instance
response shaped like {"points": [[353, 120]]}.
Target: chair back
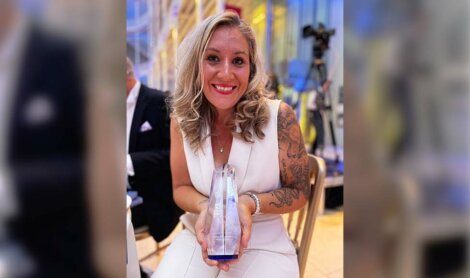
{"points": [[305, 217]]}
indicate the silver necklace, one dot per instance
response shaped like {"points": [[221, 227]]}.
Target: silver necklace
{"points": [[221, 148]]}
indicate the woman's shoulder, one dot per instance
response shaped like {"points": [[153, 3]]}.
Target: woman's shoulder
{"points": [[286, 115], [285, 108], [273, 106], [175, 128], [273, 102], [279, 107]]}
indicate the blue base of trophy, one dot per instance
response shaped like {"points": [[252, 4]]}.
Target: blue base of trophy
{"points": [[223, 257]]}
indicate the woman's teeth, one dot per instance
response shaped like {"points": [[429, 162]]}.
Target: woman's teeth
{"points": [[224, 89]]}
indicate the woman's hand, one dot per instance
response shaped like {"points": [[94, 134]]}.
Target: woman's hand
{"points": [[246, 208], [200, 233], [201, 238]]}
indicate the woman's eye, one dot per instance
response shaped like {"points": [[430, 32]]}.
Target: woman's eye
{"points": [[238, 61], [212, 58]]}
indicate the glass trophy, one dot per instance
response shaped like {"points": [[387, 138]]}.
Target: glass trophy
{"points": [[222, 223]]}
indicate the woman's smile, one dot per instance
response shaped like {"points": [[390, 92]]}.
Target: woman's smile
{"points": [[224, 89]]}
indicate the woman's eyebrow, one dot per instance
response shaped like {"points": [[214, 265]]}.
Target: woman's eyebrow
{"points": [[236, 52], [213, 49], [240, 52]]}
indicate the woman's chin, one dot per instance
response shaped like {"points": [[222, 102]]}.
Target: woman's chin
{"points": [[224, 107], [223, 102]]}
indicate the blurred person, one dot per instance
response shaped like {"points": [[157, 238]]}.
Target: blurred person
{"points": [[315, 106], [43, 149], [316, 119], [220, 114], [148, 159]]}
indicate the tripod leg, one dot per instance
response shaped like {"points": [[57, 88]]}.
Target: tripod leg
{"points": [[322, 72], [310, 69], [322, 76], [332, 133], [318, 123], [333, 139]]}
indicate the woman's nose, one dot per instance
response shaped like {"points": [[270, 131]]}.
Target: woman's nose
{"points": [[225, 71]]}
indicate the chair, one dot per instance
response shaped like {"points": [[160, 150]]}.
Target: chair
{"points": [[142, 233], [305, 217]]}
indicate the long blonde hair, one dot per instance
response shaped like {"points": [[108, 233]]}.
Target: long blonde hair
{"points": [[190, 107]]}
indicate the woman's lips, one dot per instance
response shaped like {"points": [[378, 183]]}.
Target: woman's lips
{"points": [[224, 89]]}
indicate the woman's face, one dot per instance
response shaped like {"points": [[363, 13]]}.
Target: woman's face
{"points": [[225, 68]]}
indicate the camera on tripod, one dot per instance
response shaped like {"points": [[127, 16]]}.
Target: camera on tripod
{"points": [[320, 45], [322, 38]]}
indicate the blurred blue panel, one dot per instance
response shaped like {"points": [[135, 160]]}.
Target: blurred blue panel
{"points": [[32, 7], [298, 71], [135, 10]]}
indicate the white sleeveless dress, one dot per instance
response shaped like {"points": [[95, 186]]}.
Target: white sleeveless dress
{"points": [[270, 250]]}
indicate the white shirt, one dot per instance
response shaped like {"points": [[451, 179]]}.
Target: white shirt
{"points": [[131, 102]]}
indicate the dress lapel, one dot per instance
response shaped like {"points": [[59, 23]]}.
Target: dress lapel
{"points": [[206, 160], [239, 158], [137, 117]]}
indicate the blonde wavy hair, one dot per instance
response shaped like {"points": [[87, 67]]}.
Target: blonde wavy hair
{"points": [[190, 107]]}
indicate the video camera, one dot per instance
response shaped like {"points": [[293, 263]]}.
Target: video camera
{"points": [[322, 38]]}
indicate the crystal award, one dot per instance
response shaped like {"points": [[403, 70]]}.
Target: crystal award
{"points": [[222, 226]]}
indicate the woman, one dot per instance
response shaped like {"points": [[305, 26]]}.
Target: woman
{"points": [[221, 114]]}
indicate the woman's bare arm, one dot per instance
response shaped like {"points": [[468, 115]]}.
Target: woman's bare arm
{"points": [[293, 166], [184, 193]]}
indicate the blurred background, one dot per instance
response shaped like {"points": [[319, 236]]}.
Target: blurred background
{"points": [[407, 138], [61, 125], [406, 71]]}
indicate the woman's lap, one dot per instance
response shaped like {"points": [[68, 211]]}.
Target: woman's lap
{"points": [[260, 263], [183, 258]]}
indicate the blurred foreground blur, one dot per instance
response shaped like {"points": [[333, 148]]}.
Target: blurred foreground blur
{"points": [[407, 138], [61, 129]]}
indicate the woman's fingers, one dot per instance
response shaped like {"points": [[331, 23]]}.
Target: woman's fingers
{"points": [[246, 231], [246, 237], [223, 266], [240, 252], [206, 259], [210, 262], [199, 227], [232, 261], [245, 220], [201, 238]]}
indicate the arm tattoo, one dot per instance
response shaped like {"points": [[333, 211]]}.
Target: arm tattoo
{"points": [[294, 167], [289, 134]]}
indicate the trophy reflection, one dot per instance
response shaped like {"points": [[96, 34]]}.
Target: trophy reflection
{"points": [[222, 223]]}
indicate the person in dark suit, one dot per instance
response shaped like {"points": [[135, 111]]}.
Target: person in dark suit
{"points": [[45, 153], [148, 163]]}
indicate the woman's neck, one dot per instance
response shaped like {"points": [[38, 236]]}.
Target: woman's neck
{"points": [[223, 117]]}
